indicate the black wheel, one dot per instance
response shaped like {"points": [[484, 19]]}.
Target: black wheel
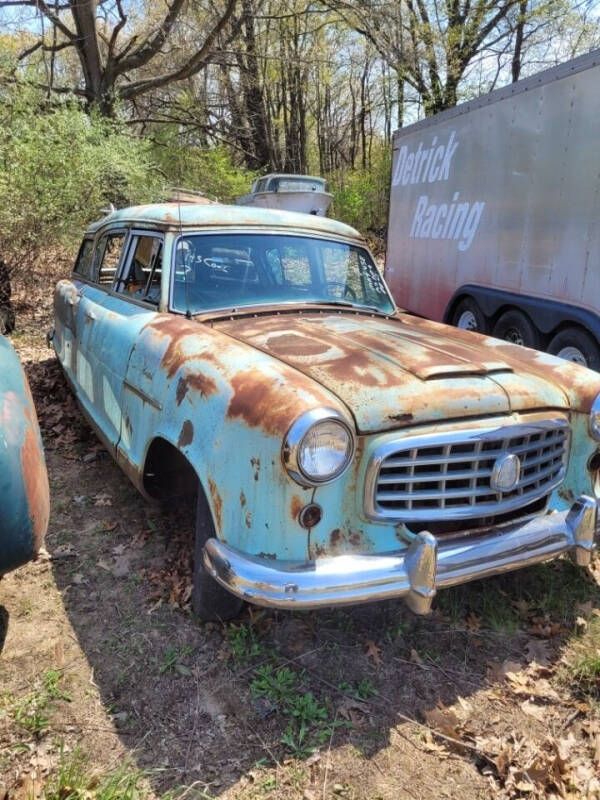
{"points": [[469, 317], [577, 345], [210, 601], [517, 328]]}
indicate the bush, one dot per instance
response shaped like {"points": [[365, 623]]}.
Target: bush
{"points": [[59, 167], [210, 171], [360, 197]]}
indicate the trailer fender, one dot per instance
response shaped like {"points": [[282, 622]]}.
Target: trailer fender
{"points": [[548, 315]]}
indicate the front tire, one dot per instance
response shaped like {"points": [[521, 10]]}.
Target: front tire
{"points": [[210, 601]]}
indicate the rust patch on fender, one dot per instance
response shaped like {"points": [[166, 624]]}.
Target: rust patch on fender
{"points": [[186, 435], [128, 425], [295, 507], [403, 418], [197, 382], [217, 502], [566, 494], [256, 467], [35, 479], [181, 392], [341, 541], [242, 499], [248, 519], [262, 402]]}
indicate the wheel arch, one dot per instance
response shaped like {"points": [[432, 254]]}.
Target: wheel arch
{"points": [[163, 464], [168, 473]]}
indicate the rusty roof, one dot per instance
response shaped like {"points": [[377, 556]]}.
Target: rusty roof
{"points": [[174, 215]]}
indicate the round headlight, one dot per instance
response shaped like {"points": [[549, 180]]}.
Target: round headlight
{"points": [[595, 418], [318, 447]]}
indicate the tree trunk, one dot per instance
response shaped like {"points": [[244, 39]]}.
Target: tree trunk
{"points": [[518, 51]]}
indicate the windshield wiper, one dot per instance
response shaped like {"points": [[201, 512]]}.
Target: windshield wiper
{"points": [[346, 304]]}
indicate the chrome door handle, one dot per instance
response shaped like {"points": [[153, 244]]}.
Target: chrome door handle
{"points": [[90, 315]]}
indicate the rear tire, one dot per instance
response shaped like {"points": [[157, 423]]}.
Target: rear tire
{"points": [[516, 328], [469, 317], [576, 345], [210, 601]]}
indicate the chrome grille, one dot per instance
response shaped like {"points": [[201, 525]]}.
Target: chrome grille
{"points": [[447, 476]]}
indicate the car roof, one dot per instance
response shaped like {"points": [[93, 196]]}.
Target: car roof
{"points": [[292, 175], [192, 215]]}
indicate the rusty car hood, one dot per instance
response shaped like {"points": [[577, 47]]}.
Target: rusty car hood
{"points": [[392, 372]]}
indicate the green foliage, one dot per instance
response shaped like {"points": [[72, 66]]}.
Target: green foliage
{"points": [[308, 723], [585, 668], [59, 167], [74, 781], [243, 642], [360, 197], [32, 711], [210, 171], [278, 685]]}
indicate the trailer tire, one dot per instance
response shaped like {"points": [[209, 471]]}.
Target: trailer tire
{"points": [[516, 328], [576, 345], [469, 317], [210, 601]]}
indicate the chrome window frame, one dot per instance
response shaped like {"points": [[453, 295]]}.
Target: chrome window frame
{"points": [[182, 233]]}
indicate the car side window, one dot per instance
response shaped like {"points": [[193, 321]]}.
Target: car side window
{"points": [[83, 264], [142, 274], [108, 254]]}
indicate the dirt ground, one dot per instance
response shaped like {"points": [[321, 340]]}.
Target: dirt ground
{"points": [[104, 670]]}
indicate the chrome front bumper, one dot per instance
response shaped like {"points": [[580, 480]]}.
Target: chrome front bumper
{"points": [[414, 573]]}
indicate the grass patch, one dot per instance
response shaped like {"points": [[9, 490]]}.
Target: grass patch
{"points": [[583, 669], [243, 642], [308, 721], [32, 711], [74, 781], [555, 588]]}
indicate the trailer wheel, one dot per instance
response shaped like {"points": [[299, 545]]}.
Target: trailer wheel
{"points": [[469, 317], [516, 328], [210, 601], [577, 346]]}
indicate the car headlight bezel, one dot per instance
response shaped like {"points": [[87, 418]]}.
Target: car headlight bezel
{"points": [[595, 419], [296, 435]]}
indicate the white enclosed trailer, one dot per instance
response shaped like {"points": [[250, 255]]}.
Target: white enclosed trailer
{"points": [[494, 221]]}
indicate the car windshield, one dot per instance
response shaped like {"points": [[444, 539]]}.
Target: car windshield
{"points": [[226, 271], [296, 185]]}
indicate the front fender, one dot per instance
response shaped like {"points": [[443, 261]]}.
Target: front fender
{"points": [[226, 407]]}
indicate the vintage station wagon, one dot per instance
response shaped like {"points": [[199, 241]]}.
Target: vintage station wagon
{"points": [[342, 451], [24, 493]]}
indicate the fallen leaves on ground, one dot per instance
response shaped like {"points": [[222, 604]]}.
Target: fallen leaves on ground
{"points": [[373, 651]]}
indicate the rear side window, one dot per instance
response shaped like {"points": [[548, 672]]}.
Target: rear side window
{"points": [[108, 255], [83, 264]]}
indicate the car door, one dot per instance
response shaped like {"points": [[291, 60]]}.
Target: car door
{"points": [[113, 320], [67, 296], [97, 391], [136, 301]]}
